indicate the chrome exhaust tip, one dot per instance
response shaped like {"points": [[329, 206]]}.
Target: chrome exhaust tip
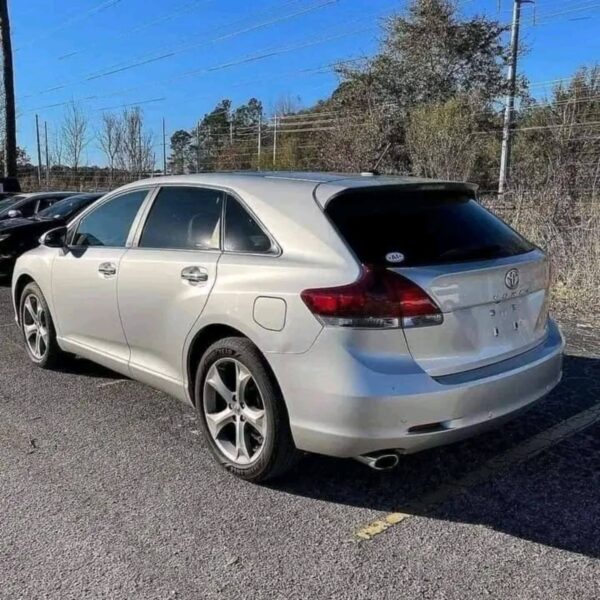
{"points": [[383, 461]]}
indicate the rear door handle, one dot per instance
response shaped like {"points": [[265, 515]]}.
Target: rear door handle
{"points": [[107, 269], [194, 275]]}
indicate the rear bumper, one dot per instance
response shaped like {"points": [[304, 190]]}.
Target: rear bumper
{"points": [[358, 410]]}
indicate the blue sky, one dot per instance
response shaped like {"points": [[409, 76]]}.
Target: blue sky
{"points": [[194, 51]]}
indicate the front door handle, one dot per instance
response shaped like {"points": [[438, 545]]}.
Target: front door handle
{"points": [[194, 275], [107, 269]]}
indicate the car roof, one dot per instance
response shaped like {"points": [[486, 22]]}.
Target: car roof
{"points": [[25, 198], [85, 195], [321, 185], [52, 194]]}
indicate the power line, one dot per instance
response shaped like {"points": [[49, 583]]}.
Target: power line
{"points": [[221, 38], [587, 6], [189, 6], [138, 103], [203, 71], [77, 17], [155, 56]]}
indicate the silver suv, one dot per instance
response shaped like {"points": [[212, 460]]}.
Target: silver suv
{"points": [[353, 316]]}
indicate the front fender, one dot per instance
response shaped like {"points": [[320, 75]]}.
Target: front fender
{"points": [[35, 265]]}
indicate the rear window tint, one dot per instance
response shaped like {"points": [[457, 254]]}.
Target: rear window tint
{"points": [[424, 227]]}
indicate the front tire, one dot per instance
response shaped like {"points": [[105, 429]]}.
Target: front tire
{"points": [[38, 328], [242, 411]]}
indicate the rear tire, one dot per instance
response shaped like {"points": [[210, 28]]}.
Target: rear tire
{"points": [[38, 329], [242, 411]]}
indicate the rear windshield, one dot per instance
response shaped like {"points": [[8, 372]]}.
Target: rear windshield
{"points": [[424, 227]]}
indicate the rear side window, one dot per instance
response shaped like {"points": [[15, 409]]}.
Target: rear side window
{"points": [[184, 218], [242, 232], [109, 224], [418, 228]]}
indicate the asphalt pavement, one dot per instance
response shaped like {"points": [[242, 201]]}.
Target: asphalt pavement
{"points": [[107, 490]]}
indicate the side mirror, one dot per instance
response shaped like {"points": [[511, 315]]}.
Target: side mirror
{"points": [[55, 238], [14, 214]]}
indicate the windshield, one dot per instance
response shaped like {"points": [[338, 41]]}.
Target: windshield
{"points": [[16, 202], [5, 203], [9, 202], [65, 208]]}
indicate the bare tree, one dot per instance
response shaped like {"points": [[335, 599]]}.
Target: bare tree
{"points": [[135, 154], [57, 150], [74, 135], [286, 105], [110, 139]]}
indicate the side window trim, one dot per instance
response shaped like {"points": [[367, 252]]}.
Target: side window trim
{"points": [[275, 250], [148, 208], [144, 213], [140, 222], [73, 226]]}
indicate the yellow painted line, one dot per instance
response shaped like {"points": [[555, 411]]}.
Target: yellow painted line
{"points": [[526, 450], [376, 527]]}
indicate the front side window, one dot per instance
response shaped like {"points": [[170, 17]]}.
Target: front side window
{"points": [[110, 223], [27, 209], [184, 218], [242, 232]]}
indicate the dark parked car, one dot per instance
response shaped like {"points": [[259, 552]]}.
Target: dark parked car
{"points": [[20, 235], [9, 199], [28, 205], [9, 195]]}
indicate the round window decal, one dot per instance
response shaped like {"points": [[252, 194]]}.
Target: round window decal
{"points": [[394, 257]]}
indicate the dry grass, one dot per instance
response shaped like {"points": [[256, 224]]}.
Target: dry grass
{"points": [[569, 230]]}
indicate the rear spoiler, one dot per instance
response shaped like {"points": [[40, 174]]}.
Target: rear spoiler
{"points": [[450, 186]]}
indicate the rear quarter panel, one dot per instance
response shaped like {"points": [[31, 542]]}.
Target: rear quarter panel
{"points": [[311, 255]]}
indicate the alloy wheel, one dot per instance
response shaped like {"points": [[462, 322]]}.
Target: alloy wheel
{"points": [[35, 327], [234, 411]]}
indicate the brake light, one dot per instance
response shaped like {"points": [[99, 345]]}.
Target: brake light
{"points": [[379, 298]]}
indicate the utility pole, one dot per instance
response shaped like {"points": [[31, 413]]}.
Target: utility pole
{"points": [[164, 135], [47, 155], [198, 147], [39, 151], [274, 140], [140, 158], [10, 126], [510, 98], [259, 139]]}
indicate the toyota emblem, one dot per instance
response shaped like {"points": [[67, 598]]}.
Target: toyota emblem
{"points": [[511, 279]]}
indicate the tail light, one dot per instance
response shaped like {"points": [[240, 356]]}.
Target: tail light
{"points": [[378, 299]]}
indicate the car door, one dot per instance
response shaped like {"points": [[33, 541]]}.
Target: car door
{"points": [[84, 280], [165, 280]]}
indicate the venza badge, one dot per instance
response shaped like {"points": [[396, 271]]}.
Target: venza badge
{"points": [[511, 279]]}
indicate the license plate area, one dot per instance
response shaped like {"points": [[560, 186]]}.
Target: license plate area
{"points": [[505, 319]]}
